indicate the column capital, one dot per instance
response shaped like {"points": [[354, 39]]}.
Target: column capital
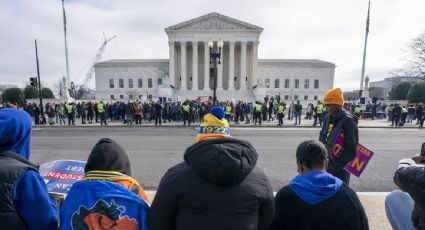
{"points": [[171, 43]]}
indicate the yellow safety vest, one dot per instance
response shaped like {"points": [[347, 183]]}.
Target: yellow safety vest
{"points": [[403, 110], [258, 107], [69, 108], [186, 108], [100, 108], [228, 109], [358, 110], [280, 109], [319, 108]]}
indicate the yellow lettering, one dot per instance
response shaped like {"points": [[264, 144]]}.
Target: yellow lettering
{"points": [[336, 149], [357, 164]]}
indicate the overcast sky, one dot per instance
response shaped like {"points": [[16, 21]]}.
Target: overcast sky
{"points": [[329, 30]]}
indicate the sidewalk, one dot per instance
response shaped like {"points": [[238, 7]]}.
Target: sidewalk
{"points": [[373, 202], [363, 123]]}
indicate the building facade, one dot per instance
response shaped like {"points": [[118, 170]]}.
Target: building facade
{"points": [[189, 72]]}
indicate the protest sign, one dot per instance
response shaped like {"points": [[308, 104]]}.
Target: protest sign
{"points": [[360, 161], [61, 174]]}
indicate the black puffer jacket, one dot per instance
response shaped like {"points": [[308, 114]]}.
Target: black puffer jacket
{"points": [[412, 180], [217, 187]]}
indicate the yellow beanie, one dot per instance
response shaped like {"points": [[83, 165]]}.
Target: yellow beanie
{"points": [[333, 97], [213, 127]]}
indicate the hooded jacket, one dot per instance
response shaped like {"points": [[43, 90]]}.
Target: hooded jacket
{"points": [[21, 186], [318, 200], [216, 187]]}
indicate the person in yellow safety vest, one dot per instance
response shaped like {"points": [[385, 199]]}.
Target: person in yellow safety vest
{"points": [[403, 115], [280, 115], [318, 113], [258, 112], [186, 113], [357, 113], [101, 111], [70, 112], [228, 112]]}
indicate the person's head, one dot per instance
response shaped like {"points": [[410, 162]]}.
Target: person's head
{"points": [[311, 155], [333, 100], [214, 125], [108, 155], [15, 131]]}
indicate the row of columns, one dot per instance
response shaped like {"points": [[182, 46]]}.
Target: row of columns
{"points": [[183, 70]]}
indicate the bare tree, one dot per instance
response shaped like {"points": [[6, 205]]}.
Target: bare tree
{"points": [[415, 59]]}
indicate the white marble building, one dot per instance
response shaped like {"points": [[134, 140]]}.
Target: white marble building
{"points": [[188, 72]]}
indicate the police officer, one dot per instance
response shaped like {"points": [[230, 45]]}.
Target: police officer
{"points": [[101, 111], [186, 113], [280, 115], [228, 112], [319, 111], [357, 113], [70, 112], [258, 111]]}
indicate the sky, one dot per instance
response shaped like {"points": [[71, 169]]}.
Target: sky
{"points": [[329, 30]]}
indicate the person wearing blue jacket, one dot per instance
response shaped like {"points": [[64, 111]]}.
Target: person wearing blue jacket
{"points": [[316, 199], [24, 201]]}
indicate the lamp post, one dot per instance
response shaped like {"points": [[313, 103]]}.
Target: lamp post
{"points": [[215, 57]]}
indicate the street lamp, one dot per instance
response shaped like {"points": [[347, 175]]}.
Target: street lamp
{"points": [[215, 57]]}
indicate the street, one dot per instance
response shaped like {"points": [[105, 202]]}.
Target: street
{"points": [[152, 150]]}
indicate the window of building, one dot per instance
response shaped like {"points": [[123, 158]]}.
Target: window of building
{"points": [[267, 81], [111, 83], [316, 83], [297, 83], [160, 81], [286, 83], [305, 97], [315, 97], [112, 96], [130, 83], [149, 82], [130, 96], [121, 96], [306, 84], [121, 82], [276, 83], [286, 97], [140, 83], [296, 97]]}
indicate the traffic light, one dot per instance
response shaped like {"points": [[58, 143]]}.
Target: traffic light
{"points": [[33, 82]]}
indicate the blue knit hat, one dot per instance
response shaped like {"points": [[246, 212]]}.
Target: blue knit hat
{"points": [[217, 111]]}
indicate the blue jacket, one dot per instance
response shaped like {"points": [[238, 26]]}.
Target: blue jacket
{"points": [[104, 203]]}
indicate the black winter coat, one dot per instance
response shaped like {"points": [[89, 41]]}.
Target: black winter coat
{"points": [[412, 180], [216, 187]]}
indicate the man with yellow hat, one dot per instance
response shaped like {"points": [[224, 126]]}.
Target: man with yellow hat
{"points": [[338, 121]]}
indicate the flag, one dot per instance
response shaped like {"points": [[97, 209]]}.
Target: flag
{"points": [[64, 17], [367, 20]]}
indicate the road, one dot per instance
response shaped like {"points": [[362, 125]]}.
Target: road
{"points": [[153, 150]]}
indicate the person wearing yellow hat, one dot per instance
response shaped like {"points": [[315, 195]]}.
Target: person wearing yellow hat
{"points": [[338, 121]]}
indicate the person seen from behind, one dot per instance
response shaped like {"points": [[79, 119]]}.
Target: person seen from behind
{"points": [[316, 199], [25, 203]]}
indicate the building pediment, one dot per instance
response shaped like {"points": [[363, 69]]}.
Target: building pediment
{"points": [[214, 22]]}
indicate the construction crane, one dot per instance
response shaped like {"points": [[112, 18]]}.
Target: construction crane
{"points": [[83, 89]]}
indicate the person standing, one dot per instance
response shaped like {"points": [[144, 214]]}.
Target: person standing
{"points": [[257, 112], [280, 113], [217, 186], [298, 108], [338, 121], [318, 110], [90, 112], [158, 112], [101, 111], [71, 113], [186, 113]]}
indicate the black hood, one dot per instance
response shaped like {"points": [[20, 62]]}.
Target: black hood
{"points": [[222, 161], [108, 155]]}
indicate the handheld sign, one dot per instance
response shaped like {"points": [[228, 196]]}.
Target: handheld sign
{"points": [[60, 175], [360, 161]]}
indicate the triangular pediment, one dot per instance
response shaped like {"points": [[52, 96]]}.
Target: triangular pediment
{"points": [[214, 22]]}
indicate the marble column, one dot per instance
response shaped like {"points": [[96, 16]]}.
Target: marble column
{"points": [[195, 65], [206, 66], [183, 83], [231, 65], [255, 63], [243, 66], [171, 67], [220, 71]]}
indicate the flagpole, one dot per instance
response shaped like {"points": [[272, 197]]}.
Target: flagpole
{"points": [[67, 85], [364, 51]]}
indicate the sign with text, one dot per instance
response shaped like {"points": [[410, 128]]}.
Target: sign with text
{"points": [[60, 175], [360, 161]]}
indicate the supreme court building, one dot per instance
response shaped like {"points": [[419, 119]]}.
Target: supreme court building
{"points": [[188, 72]]}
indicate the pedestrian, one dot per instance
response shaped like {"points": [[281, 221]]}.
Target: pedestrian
{"points": [[71, 113], [90, 112], [25, 203], [138, 113], [257, 112], [218, 186], [107, 197], [339, 121], [318, 111], [280, 113], [405, 208], [158, 112], [101, 111], [185, 110], [316, 199], [298, 108]]}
